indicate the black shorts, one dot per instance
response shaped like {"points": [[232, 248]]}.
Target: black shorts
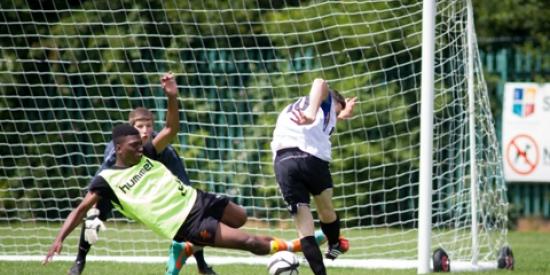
{"points": [[300, 174], [202, 222]]}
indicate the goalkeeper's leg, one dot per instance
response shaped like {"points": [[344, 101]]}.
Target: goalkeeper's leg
{"points": [[203, 267], [226, 232], [177, 256], [93, 224], [83, 249], [235, 238]]}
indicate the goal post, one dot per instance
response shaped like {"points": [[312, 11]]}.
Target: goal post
{"points": [[417, 168], [426, 136]]}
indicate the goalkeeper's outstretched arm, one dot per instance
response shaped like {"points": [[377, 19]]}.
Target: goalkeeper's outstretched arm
{"points": [[72, 221]]}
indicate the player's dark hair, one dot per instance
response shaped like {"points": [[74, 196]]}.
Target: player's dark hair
{"points": [[338, 97], [123, 130]]}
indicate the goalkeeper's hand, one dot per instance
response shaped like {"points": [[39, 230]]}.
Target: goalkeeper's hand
{"points": [[92, 226]]}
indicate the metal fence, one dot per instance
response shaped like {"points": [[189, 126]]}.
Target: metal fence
{"points": [[509, 65]]}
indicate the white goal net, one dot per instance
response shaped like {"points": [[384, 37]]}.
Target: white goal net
{"points": [[70, 70]]}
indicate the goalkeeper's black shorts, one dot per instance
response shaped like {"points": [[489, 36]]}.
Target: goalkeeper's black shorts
{"points": [[201, 224]]}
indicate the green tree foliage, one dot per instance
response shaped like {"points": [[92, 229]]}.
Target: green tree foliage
{"points": [[236, 70], [518, 30], [514, 22]]}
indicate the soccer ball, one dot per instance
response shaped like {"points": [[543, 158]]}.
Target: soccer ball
{"points": [[283, 263]]}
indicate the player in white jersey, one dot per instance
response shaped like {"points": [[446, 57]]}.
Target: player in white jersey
{"points": [[302, 151]]}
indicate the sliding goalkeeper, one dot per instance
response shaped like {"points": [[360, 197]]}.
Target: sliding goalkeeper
{"points": [[143, 189], [142, 119]]}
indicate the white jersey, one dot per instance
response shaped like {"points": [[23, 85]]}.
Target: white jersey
{"points": [[313, 138]]}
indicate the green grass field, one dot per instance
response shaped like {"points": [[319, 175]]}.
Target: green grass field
{"points": [[531, 251]]}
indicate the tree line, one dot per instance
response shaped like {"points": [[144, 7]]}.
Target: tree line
{"points": [[71, 69]]}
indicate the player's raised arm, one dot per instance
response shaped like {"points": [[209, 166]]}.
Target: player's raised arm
{"points": [[172, 126], [72, 221], [318, 93]]}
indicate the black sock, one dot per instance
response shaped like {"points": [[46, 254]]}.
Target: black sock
{"points": [[83, 246], [311, 251], [332, 231], [199, 258]]}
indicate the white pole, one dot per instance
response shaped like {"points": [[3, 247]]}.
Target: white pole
{"points": [[471, 120], [426, 137]]}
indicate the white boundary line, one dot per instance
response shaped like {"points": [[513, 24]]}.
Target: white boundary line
{"points": [[459, 266]]}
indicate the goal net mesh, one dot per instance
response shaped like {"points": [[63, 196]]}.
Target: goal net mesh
{"points": [[70, 70]]}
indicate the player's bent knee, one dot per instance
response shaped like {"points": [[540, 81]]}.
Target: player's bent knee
{"points": [[234, 216], [239, 220], [235, 221]]}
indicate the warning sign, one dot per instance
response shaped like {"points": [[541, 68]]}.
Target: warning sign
{"points": [[522, 154]]}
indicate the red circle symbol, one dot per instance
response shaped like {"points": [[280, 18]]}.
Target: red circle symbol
{"points": [[522, 154]]}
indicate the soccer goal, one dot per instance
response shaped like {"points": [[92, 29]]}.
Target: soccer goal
{"points": [[416, 169]]}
